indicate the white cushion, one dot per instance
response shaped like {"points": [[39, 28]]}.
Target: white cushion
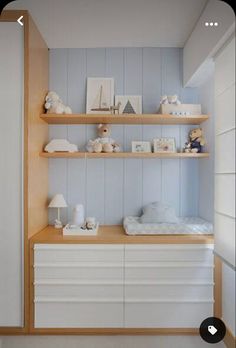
{"points": [[158, 212]]}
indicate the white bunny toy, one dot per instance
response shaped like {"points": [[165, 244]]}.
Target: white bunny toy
{"points": [[170, 99], [54, 105]]}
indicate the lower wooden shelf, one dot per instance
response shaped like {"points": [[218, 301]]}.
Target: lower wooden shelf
{"points": [[123, 155]]}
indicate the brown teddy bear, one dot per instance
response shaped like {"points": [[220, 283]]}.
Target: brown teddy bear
{"points": [[103, 143], [196, 141]]}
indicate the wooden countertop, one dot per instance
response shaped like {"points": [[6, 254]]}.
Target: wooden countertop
{"points": [[114, 234]]}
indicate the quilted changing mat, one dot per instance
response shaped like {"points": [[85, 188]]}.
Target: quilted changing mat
{"points": [[186, 225]]}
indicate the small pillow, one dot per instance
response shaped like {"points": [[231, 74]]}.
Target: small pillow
{"points": [[158, 212]]}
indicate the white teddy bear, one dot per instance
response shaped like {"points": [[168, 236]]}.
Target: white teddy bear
{"points": [[54, 105], [170, 99]]}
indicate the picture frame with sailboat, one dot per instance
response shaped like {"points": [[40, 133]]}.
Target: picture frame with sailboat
{"points": [[100, 95]]}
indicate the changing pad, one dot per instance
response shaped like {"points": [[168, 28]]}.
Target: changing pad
{"points": [[186, 225]]}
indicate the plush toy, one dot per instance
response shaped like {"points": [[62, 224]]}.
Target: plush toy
{"points": [[170, 99], [103, 143], [196, 141], [54, 105]]}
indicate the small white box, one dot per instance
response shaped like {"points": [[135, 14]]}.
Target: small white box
{"points": [[68, 230], [190, 109]]}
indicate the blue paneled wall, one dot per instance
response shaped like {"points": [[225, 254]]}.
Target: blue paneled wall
{"points": [[113, 188]]}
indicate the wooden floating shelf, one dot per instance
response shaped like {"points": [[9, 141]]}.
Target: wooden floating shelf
{"points": [[123, 119], [123, 155]]}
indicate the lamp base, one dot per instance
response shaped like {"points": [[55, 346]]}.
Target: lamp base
{"points": [[58, 224]]}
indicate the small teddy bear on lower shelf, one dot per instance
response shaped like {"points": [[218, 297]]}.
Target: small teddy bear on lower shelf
{"points": [[103, 143], [196, 141]]}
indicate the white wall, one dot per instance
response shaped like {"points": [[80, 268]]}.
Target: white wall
{"points": [[206, 168], [225, 153], [11, 96], [204, 41], [225, 175]]}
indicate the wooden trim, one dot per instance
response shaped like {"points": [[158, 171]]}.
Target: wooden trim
{"points": [[117, 331], [115, 234], [12, 16], [31, 289], [229, 339], [123, 119], [89, 155], [218, 287]]}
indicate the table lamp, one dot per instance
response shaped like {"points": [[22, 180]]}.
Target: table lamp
{"points": [[58, 202]]}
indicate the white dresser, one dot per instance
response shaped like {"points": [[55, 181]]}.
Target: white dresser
{"points": [[122, 285]]}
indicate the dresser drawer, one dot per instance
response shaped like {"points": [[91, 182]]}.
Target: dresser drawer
{"points": [[161, 271], [164, 314], [81, 271], [169, 252], [168, 290], [67, 313], [78, 253], [84, 290]]}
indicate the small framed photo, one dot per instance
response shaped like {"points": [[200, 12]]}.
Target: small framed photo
{"points": [[141, 146], [166, 145], [129, 104]]}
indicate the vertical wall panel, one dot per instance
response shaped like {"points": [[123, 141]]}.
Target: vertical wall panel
{"points": [[95, 189], [58, 184], [133, 193], [111, 189], [151, 79], [76, 184], [114, 182], [76, 79]]}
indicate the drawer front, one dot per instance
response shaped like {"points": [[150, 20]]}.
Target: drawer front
{"points": [[96, 290], [78, 314], [179, 252], [171, 291], [78, 253], [168, 271], [166, 315], [80, 271]]}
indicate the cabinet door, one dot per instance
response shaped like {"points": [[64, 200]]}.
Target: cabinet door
{"points": [[168, 285], [78, 286], [11, 124]]}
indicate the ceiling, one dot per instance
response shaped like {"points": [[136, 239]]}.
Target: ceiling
{"points": [[113, 23]]}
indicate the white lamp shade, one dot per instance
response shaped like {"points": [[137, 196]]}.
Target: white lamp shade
{"points": [[58, 201]]}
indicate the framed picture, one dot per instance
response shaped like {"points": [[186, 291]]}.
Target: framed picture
{"points": [[141, 146], [129, 104], [100, 95], [164, 145]]}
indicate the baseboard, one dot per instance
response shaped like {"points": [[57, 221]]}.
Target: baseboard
{"points": [[229, 339]]}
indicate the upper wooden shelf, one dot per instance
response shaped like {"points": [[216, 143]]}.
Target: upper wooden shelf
{"points": [[123, 155], [122, 119]]}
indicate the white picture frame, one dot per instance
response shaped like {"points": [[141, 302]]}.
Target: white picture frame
{"points": [[129, 104], [141, 146], [100, 95], [164, 145]]}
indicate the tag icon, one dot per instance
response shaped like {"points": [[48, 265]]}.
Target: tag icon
{"points": [[212, 330]]}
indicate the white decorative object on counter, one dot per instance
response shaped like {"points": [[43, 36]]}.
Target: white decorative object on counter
{"points": [[60, 145], [54, 105], [78, 215], [75, 230], [180, 109], [58, 202]]}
